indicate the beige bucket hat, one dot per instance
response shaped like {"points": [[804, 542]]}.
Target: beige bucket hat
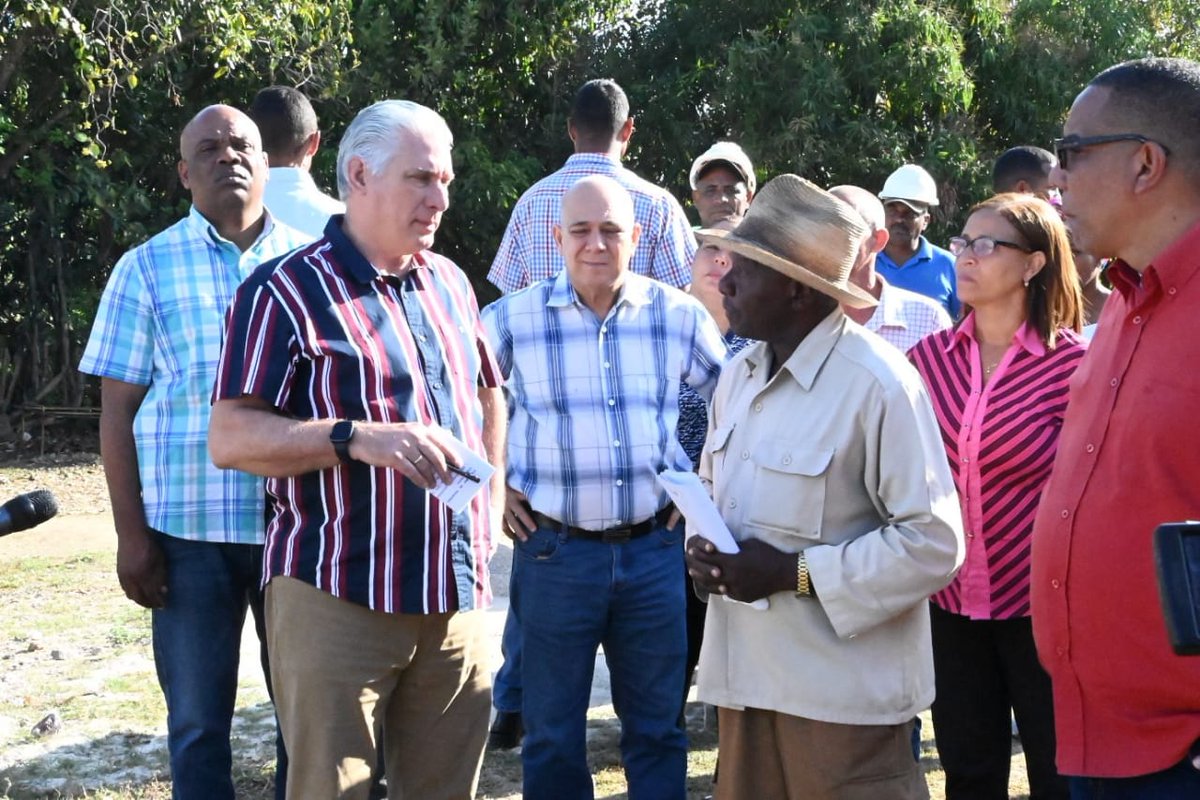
{"points": [[801, 230]]}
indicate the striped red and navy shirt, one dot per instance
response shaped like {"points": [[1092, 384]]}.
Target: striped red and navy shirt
{"points": [[321, 334], [1000, 439]]}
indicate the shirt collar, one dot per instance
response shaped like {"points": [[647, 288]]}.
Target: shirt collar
{"points": [[636, 291], [352, 260], [1173, 267], [1026, 336], [292, 176], [888, 311], [597, 161], [805, 362], [204, 229]]}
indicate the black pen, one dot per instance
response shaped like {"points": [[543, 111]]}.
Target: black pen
{"points": [[471, 476]]}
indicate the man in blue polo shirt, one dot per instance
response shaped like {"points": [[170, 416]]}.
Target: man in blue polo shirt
{"points": [[909, 260]]}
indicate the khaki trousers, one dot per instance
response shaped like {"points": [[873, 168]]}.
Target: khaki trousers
{"points": [[344, 674], [765, 754]]}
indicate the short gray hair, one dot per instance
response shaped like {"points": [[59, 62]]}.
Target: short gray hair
{"points": [[372, 135]]}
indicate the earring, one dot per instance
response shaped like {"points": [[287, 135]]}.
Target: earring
{"points": [[1026, 283]]}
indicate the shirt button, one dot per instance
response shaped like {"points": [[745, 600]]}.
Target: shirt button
{"points": [[1060, 651], [733, 503], [607, 365], [616, 443], [1137, 320], [966, 460], [1055, 584], [1113, 383], [1091, 448], [745, 455], [612, 402], [787, 459], [620, 482], [604, 329], [1065, 513], [421, 337], [1171, 290], [970, 535], [758, 406]]}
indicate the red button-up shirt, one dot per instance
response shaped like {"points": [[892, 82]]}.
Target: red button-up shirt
{"points": [[1128, 460]]}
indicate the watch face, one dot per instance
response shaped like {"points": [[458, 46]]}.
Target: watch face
{"points": [[342, 432]]}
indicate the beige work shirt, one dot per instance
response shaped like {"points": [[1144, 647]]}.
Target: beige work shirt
{"points": [[838, 455]]}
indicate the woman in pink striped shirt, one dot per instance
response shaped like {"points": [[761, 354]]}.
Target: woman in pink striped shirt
{"points": [[998, 381]]}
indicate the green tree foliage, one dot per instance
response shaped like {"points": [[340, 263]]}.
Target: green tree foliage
{"points": [[94, 92], [92, 95]]}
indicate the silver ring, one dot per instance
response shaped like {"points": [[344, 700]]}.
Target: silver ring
{"points": [[418, 458]]}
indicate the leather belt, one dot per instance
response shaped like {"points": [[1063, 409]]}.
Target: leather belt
{"points": [[611, 535]]}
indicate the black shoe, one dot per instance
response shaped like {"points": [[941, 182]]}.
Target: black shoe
{"points": [[507, 731]]}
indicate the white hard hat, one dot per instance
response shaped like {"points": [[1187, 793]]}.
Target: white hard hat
{"points": [[730, 153], [910, 183]]}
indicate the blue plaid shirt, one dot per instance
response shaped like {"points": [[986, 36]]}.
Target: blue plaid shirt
{"points": [[594, 403], [159, 325], [528, 252]]}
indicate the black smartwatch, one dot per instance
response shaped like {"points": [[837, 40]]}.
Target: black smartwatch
{"points": [[340, 436]]}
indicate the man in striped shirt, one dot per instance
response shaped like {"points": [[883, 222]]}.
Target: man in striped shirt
{"points": [[189, 536], [593, 359], [600, 127], [349, 367]]}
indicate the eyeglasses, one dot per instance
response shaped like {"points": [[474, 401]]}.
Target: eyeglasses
{"points": [[982, 246], [1067, 146]]}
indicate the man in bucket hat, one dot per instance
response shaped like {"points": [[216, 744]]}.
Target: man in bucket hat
{"points": [[826, 464]]}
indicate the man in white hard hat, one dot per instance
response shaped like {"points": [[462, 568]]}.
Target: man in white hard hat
{"points": [[722, 180], [909, 260]]}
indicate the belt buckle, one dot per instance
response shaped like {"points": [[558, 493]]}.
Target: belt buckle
{"points": [[616, 535]]}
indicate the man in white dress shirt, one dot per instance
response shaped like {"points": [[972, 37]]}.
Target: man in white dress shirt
{"points": [[290, 136]]}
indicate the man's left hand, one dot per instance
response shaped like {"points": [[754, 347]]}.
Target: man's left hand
{"points": [[759, 570]]}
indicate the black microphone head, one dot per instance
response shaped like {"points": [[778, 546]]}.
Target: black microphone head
{"points": [[31, 508]]}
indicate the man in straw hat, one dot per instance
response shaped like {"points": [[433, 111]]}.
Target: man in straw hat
{"points": [[827, 466]]}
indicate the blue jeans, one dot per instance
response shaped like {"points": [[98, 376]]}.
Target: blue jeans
{"points": [[506, 687], [1180, 782], [572, 596], [197, 641]]}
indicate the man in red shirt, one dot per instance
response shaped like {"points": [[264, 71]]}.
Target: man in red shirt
{"points": [[1127, 709]]}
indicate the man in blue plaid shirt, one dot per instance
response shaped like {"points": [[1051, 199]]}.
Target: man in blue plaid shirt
{"points": [[593, 360], [189, 536], [600, 128]]}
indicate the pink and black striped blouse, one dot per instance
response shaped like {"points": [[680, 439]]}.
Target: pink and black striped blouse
{"points": [[1000, 439]]}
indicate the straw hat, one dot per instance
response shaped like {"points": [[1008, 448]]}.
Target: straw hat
{"points": [[797, 228]]}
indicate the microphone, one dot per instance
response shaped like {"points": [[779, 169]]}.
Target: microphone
{"points": [[27, 510]]}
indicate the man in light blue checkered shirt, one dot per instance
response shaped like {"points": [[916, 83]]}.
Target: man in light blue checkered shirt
{"points": [[600, 127], [189, 536], [592, 360]]}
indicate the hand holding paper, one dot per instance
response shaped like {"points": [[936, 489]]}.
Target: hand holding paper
{"points": [[703, 519]]}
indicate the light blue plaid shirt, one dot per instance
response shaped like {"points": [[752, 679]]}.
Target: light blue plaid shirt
{"points": [[528, 253], [160, 324], [594, 404]]}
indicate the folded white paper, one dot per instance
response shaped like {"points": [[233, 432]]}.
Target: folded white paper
{"points": [[458, 492], [691, 498]]}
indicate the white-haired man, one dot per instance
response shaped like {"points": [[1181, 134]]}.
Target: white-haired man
{"points": [[347, 367]]}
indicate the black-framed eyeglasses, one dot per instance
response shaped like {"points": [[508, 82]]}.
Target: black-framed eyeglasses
{"points": [[982, 246], [1067, 146]]}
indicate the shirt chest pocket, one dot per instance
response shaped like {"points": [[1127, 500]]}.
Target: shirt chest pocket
{"points": [[788, 495]]}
